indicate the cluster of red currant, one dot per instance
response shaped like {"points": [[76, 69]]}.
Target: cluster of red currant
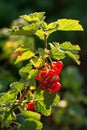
{"points": [[49, 77]]}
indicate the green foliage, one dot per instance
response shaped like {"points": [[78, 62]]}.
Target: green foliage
{"points": [[31, 121], [38, 27], [69, 25], [45, 102], [25, 56], [30, 124], [58, 51], [13, 104], [31, 114], [34, 17]]}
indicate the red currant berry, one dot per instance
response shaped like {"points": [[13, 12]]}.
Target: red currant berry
{"points": [[31, 106], [57, 70], [51, 72], [44, 74], [59, 65]]}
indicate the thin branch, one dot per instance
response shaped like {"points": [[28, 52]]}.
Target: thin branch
{"points": [[45, 41], [21, 98]]}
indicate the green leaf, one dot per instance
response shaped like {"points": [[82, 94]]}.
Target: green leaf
{"points": [[8, 99], [32, 76], [69, 25], [25, 56], [68, 46], [29, 78], [7, 118], [43, 25], [37, 62], [59, 51], [25, 70], [55, 53], [74, 57], [17, 86], [45, 101], [25, 30], [31, 114], [71, 51], [52, 27], [21, 49], [42, 31], [40, 34], [31, 124], [34, 17]]}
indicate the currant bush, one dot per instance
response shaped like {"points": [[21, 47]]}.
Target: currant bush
{"points": [[36, 92]]}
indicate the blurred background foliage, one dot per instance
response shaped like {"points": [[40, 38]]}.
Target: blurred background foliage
{"points": [[70, 113]]}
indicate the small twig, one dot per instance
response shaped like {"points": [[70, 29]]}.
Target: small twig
{"points": [[23, 95], [21, 98]]}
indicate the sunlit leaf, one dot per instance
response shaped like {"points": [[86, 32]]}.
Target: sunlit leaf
{"points": [[17, 86], [25, 30], [69, 25], [59, 51], [25, 70], [55, 53], [40, 34], [69, 46], [37, 62], [31, 114], [52, 27], [25, 56], [34, 17], [7, 99]]}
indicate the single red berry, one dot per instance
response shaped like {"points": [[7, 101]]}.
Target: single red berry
{"points": [[57, 70], [44, 74], [31, 106], [51, 72], [59, 65]]}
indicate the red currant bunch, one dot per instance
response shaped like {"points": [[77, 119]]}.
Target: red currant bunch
{"points": [[31, 106], [49, 77]]}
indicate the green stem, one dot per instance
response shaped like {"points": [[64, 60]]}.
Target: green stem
{"points": [[45, 41]]}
